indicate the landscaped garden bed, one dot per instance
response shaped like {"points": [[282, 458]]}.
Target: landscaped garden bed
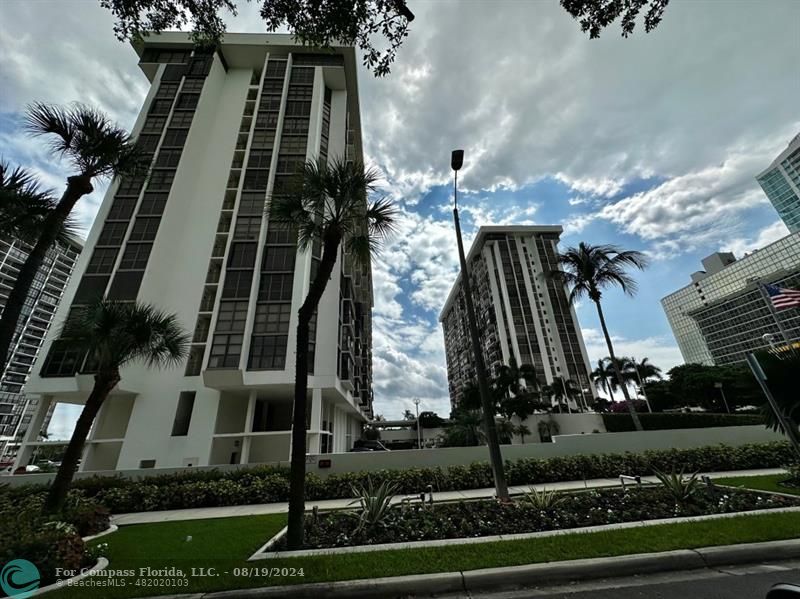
{"points": [[536, 513]]}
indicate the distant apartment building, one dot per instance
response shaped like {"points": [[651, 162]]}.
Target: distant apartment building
{"points": [[722, 314], [227, 130], [521, 314], [35, 320], [781, 182]]}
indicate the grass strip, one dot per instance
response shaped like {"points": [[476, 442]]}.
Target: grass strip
{"points": [[761, 483], [225, 543]]}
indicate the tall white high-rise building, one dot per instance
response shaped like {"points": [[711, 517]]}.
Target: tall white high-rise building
{"points": [[227, 130], [522, 315], [35, 320]]}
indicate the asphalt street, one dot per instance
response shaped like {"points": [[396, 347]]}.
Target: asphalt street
{"points": [[738, 582]]}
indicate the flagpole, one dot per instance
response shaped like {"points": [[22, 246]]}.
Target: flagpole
{"points": [[774, 313]]}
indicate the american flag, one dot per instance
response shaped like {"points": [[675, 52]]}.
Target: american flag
{"points": [[783, 298]]}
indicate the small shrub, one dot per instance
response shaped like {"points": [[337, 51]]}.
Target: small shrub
{"points": [[678, 486], [619, 423], [544, 500], [375, 504]]}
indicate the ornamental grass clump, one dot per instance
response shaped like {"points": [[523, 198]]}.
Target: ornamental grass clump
{"points": [[376, 503], [544, 500], [681, 488]]}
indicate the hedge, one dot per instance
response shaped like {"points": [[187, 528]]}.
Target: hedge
{"points": [[619, 423], [256, 485]]}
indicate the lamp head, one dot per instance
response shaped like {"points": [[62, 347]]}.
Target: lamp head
{"points": [[457, 159]]}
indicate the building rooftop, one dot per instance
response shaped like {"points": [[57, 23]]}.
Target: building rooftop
{"points": [[480, 239], [793, 145]]}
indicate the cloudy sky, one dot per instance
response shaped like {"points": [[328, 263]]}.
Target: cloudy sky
{"points": [[650, 142]]}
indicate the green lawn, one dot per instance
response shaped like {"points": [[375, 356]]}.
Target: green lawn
{"points": [[225, 544], [761, 483]]}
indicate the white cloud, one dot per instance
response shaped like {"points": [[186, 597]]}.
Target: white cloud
{"points": [[661, 351], [764, 237]]}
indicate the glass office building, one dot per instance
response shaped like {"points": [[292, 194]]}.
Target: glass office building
{"points": [[781, 183]]}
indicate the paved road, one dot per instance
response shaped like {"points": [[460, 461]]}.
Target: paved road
{"points": [[743, 582]]}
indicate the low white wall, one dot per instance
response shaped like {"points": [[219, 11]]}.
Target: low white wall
{"points": [[563, 445]]}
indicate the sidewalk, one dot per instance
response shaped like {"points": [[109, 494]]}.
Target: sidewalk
{"points": [[283, 507]]}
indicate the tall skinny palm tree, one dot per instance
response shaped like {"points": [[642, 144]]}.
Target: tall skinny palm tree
{"points": [[113, 334], [602, 379], [331, 208], [95, 148], [587, 270]]}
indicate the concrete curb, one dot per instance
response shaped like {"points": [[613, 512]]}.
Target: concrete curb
{"points": [[522, 576]]}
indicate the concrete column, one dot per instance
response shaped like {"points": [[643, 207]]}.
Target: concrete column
{"points": [[247, 441], [316, 420], [32, 434]]}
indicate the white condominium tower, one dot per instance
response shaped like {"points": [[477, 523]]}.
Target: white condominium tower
{"points": [[521, 313], [227, 129]]}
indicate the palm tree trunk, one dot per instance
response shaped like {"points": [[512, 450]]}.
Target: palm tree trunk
{"points": [[631, 408], [297, 475], [77, 187], [103, 384]]}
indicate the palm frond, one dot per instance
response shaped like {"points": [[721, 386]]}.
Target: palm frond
{"points": [[95, 146]]}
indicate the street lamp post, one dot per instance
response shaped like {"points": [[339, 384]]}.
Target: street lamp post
{"points": [[495, 458], [724, 399], [419, 431]]}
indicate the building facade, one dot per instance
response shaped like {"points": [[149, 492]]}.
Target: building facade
{"points": [[781, 182], [227, 130], [16, 410], [521, 314], [723, 314]]}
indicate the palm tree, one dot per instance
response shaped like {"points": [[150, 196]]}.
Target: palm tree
{"points": [[24, 206], [588, 269], [330, 207], [95, 148], [603, 378], [640, 372], [465, 429], [562, 389], [113, 334]]}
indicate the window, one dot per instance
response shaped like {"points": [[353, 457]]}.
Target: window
{"points": [[174, 138], [252, 203], [154, 124], [268, 112], [256, 179], [297, 108], [147, 464], [242, 255], [224, 224], [90, 289], [195, 362], [183, 415], [293, 145], [167, 89], [135, 256], [192, 85], [276, 288], [181, 119], [102, 261], [173, 72], [130, 186], [247, 228], [214, 271], [207, 301], [259, 159], [202, 329], [112, 233], [237, 284], [168, 158], [125, 285], [219, 246], [276, 68], [160, 106], [161, 179], [290, 165], [122, 208], [262, 139], [295, 126], [279, 259], [225, 351], [274, 86], [229, 201], [187, 101], [280, 233], [231, 317], [62, 360], [300, 93], [145, 228], [268, 352], [272, 318], [302, 75], [147, 143], [153, 203]]}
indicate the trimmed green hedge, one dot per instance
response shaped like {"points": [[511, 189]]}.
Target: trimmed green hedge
{"points": [[259, 484], [620, 423]]}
